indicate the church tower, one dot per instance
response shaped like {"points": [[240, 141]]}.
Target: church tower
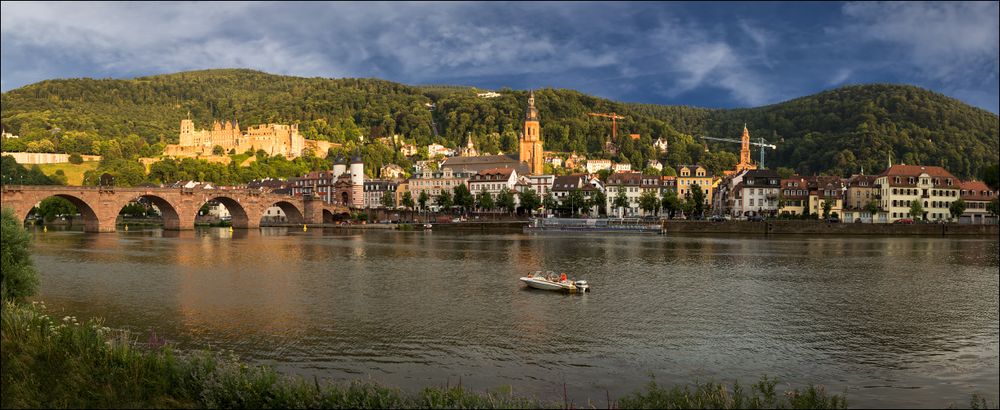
{"points": [[531, 139], [745, 162]]}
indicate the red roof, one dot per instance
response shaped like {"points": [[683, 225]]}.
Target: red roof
{"points": [[976, 191], [940, 175]]}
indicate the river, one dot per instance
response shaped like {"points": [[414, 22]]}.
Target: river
{"points": [[901, 322]]}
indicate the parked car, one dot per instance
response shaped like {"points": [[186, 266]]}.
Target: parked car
{"points": [[718, 218], [756, 218], [833, 220], [904, 221]]}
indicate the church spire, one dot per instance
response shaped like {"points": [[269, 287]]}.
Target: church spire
{"points": [[532, 113]]}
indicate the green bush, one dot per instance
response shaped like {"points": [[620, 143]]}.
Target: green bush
{"points": [[18, 278], [717, 396], [75, 159]]}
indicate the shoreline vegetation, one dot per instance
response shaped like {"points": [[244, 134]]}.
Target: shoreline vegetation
{"points": [[61, 363], [49, 362]]}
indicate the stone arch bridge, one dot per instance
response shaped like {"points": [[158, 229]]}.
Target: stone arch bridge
{"points": [[99, 206]]}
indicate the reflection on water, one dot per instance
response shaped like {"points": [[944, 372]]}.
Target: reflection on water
{"points": [[894, 321]]}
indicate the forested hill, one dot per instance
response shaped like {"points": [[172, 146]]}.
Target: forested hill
{"points": [[836, 131], [841, 129]]}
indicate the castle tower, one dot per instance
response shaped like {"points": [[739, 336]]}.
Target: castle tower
{"points": [[531, 139], [187, 133]]}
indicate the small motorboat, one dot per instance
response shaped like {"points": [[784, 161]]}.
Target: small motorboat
{"points": [[551, 281]]}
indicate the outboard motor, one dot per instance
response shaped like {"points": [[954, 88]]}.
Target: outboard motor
{"points": [[582, 285]]}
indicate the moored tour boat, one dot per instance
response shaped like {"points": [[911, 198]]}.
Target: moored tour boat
{"points": [[550, 281]]}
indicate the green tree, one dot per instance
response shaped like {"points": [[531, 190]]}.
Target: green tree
{"points": [[463, 198], [388, 200], [505, 200], [990, 174], [600, 200], [916, 210], [75, 159], [218, 150], [872, 208], [670, 202], [422, 199], [52, 207], [785, 173], [444, 200], [668, 171], [575, 201], [827, 206], [530, 201], [18, 278], [621, 201], [484, 200], [407, 200], [957, 208], [649, 202], [604, 174], [994, 207], [550, 202], [697, 200]]}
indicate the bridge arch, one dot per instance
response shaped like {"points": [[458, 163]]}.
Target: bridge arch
{"points": [[332, 217], [91, 220], [168, 211], [293, 213], [241, 215]]}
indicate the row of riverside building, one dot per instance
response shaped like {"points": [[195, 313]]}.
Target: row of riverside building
{"points": [[739, 196], [741, 193], [765, 193]]}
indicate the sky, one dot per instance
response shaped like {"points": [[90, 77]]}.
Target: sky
{"points": [[719, 55]]}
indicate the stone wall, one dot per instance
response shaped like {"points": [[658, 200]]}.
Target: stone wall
{"points": [[823, 228], [46, 157]]}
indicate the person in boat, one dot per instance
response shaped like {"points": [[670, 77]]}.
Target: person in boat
{"points": [[562, 278]]}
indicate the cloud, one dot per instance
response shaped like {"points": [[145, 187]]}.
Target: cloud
{"points": [[649, 52], [944, 41], [699, 59], [840, 76]]}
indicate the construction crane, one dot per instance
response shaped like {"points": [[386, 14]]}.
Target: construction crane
{"points": [[762, 144], [614, 122]]}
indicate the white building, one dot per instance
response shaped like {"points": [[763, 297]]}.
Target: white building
{"points": [[595, 165], [493, 180], [437, 149], [934, 187], [623, 167]]}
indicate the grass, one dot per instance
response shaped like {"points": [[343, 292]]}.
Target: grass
{"points": [[60, 363], [74, 173], [710, 395]]}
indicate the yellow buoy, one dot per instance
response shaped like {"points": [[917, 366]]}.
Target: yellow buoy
{"points": [[230, 229], [126, 227], [304, 228], [45, 228]]}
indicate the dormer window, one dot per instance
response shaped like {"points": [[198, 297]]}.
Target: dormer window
{"points": [[949, 181]]}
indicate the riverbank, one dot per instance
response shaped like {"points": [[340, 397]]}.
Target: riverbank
{"points": [[820, 228], [50, 363]]}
